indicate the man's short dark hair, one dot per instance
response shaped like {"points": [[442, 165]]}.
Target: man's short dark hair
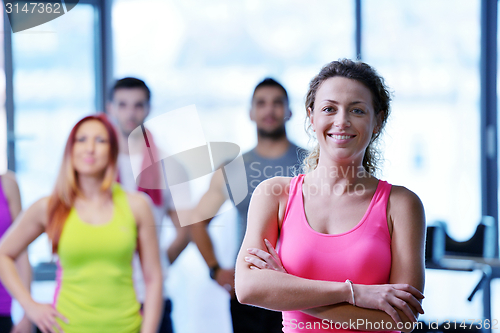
{"points": [[130, 83], [270, 82]]}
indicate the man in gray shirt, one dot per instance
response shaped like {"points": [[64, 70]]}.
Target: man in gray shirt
{"points": [[273, 156]]}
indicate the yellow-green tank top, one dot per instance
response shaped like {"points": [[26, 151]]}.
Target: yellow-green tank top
{"points": [[94, 288]]}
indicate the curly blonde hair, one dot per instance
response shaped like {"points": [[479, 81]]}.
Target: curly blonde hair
{"points": [[365, 74]]}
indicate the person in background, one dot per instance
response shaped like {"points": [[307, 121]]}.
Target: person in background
{"points": [[274, 155], [95, 228], [129, 106], [350, 246], [10, 207]]}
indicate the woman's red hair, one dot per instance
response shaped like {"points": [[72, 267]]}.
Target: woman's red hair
{"points": [[66, 188]]}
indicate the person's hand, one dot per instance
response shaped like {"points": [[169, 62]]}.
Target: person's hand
{"points": [[24, 326], [44, 317], [388, 298], [380, 297], [265, 260], [225, 278]]}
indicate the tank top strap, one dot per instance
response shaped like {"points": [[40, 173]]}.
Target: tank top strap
{"points": [[380, 200], [293, 192], [120, 200], [385, 190], [294, 182]]}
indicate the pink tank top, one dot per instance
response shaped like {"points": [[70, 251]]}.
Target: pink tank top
{"points": [[362, 254]]}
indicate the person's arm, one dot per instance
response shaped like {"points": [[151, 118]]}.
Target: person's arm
{"points": [[205, 210], [180, 210], [277, 290], [27, 227], [269, 288], [147, 247], [11, 190], [24, 268], [181, 240]]}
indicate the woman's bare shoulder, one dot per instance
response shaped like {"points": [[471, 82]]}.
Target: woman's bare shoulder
{"points": [[10, 187], [272, 195], [405, 205], [138, 201], [9, 179], [276, 187], [402, 195], [41, 205], [39, 210]]}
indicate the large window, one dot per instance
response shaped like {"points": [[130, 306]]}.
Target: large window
{"points": [[54, 86], [432, 65], [213, 54], [432, 143]]}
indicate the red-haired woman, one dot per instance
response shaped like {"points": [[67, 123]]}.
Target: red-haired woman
{"points": [[95, 227]]}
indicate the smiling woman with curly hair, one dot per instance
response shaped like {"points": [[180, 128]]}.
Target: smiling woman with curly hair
{"points": [[350, 246]]}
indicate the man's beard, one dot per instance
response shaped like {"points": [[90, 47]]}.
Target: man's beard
{"points": [[276, 134]]}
